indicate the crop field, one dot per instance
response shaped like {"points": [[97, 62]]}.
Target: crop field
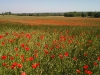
{"points": [[49, 46], [50, 20]]}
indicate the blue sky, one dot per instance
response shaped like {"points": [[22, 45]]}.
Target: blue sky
{"points": [[33, 6]]}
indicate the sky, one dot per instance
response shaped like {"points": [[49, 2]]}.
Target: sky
{"points": [[40, 6]]}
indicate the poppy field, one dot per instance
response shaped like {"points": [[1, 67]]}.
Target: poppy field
{"points": [[49, 50]]}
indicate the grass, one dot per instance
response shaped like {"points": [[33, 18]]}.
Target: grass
{"points": [[49, 50]]}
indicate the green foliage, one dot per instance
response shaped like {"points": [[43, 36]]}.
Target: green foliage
{"points": [[72, 47]]}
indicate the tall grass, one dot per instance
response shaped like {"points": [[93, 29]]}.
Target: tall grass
{"points": [[49, 50]]}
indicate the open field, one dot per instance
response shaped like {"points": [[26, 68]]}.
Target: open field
{"points": [[49, 20], [49, 50], [49, 45]]}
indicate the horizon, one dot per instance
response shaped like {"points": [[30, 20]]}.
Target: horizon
{"points": [[48, 6]]}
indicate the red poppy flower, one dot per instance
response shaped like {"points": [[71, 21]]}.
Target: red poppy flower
{"points": [[70, 41], [66, 54], [46, 51], [35, 65], [89, 41], [42, 37], [36, 55], [16, 49], [27, 49], [23, 73], [95, 64], [98, 58], [28, 36], [78, 71], [88, 72], [62, 38], [19, 65], [22, 56], [12, 67], [14, 64], [52, 56], [38, 44], [22, 45], [86, 67], [57, 46], [1, 36], [16, 54], [4, 64], [3, 43], [61, 56], [46, 45], [31, 58], [11, 58], [4, 57], [74, 58], [85, 54]]}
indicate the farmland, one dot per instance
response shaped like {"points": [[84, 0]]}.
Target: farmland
{"points": [[50, 20], [49, 46]]}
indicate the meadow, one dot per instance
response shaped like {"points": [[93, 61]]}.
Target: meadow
{"points": [[47, 46]]}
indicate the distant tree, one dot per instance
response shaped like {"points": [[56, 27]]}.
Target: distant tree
{"points": [[84, 14], [90, 14], [97, 15]]}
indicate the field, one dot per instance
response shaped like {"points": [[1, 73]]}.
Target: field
{"points": [[49, 20], [49, 46]]}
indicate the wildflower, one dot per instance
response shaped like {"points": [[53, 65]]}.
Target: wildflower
{"points": [[46, 45], [19, 65], [35, 51], [46, 51], [16, 49], [27, 49], [35, 65], [70, 41], [88, 72], [98, 58], [52, 56], [86, 67], [3, 43], [42, 37], [14, 64], [23, 73], [4, 57], [89, 41], [36, 55], [74, 58], [16, 54], [28, 36], [57, 46], [31, 58], [66, 54], [95, 64], [1, 36], [22, 56], [38, 44], [61, 56], [11, 57], [62, 38], [12, 67], [78, 71], [4, 64], [85, 54], [22, 45]]}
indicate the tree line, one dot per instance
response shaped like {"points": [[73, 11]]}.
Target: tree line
{"points": [[82, 14], [66, 14]]}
